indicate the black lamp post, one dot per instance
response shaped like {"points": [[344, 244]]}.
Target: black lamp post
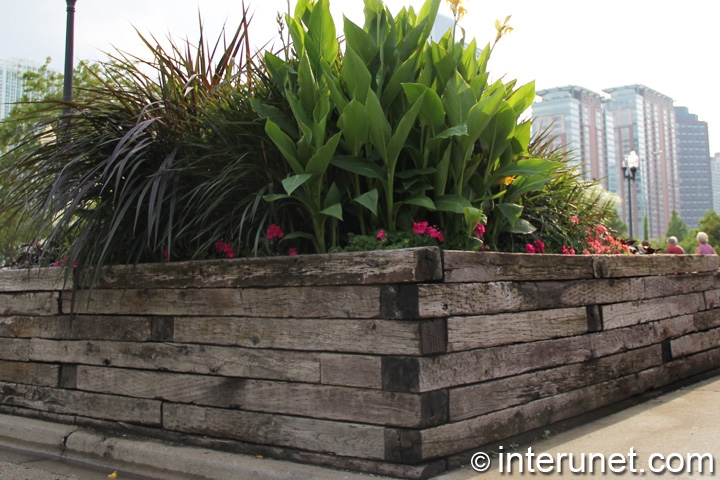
{"points": [[69, 40], [630, 166]]}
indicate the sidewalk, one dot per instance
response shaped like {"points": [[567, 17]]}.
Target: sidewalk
{"points": [[682, 422]]}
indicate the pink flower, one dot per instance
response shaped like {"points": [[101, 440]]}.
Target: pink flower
{"points": [[274, 231], [381, 235], [529, 248], [420, 227], [479, 230], [568, 251], [292, 251], [225, 249], [574, 219], [539, 246]]}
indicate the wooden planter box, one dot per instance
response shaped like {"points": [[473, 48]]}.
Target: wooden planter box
{"points": [[400, 362]]}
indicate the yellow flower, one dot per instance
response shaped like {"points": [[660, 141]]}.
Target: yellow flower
{"points": [[458, 10], [502, 28], [113, 475], [507, 180]]}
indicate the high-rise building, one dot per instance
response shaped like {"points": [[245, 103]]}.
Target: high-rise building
{"points": [[644, 121], [715, 169], [696, 189], [575, 119], [11, 81]]}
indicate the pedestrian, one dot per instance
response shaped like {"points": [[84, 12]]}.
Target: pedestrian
{"points": [[703, 248], [673, 246]]}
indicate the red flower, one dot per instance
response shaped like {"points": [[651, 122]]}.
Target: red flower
{"points": [[292, 251], [274, 231], [381, 235], [529, 248], [574, 219], [166, 255], [568, 251], [539, 246], [420, 227], [479, 230], [225, 249]]}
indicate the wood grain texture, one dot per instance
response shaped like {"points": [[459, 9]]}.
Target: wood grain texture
{"points": [[695, 342], [467, 333], [444, 300], [623, 339], [364, 441], [32, 280], [392, 337], [461, 436], [58, 326], [73, 402], [660, 286], [471, 267], [618, 315], [453, 369], [307, 400], [292, 302], [29, 303], [358, 268], [15, 349], [707, 319], [474, 400], [712, 298], [41, 374], [351, 370], [613, 266], [200, 359]]}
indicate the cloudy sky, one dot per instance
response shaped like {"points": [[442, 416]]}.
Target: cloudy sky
{"points": [[670, 47]]}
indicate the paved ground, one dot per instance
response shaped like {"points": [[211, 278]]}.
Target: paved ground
{"points": [[674, 425]]}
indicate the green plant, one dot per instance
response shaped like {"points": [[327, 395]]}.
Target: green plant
{"points": [[400, 128], [157, 155]]}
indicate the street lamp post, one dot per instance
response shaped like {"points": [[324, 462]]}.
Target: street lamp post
{"points": [[630, 166], [69, 41]]}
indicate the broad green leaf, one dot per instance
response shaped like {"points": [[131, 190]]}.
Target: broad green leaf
{"points": [[307, 86], [526, 167], [319, 162], [297, 32], [285, 145], [457, 131], [415, 172], [473, 216], [322, 29], [411, 41], [333, 196], [511, 212], [428, 11], [443, 64], [523, 133], [452, 203], [404, 73], [354, 125], [522, 98], [469, 64], [380, 130], [432, 112], [360, 41], [356, 75], [443, 170], [397, 142], [278, 68], [499, 131], [333, 211], [420, 201], [368, 200], [359, 165], [278, 117], [457, 100], [290, 184], [275, 196], [523, 227]]}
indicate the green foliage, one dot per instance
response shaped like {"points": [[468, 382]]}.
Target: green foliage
{"points": [[676, 227], [159, 154], [710, 224], [399, 129], [565, 209]]}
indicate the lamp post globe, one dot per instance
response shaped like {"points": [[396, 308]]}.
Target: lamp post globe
{"points": [[630, 166]]}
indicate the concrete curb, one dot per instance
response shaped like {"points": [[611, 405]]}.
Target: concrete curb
{"points": [[150, 458]]}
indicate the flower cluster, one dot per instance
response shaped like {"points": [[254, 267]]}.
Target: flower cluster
{"points": [[567, 251], [274, 231], [537, 247], [423, 228], [225, 249], [601, 242], [61, 263], [381, 235], [479, 230]]}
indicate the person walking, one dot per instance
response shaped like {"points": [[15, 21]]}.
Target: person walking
{"points": [[673, 246], [703, 248]]}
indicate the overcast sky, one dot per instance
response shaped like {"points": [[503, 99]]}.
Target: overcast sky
{"points": [[671, 47]]}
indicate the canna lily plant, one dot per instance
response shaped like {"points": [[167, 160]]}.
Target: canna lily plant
{"points": [[398, 127]]}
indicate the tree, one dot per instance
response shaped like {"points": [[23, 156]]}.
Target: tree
{"points": [[710, 224], [676, 227]]}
